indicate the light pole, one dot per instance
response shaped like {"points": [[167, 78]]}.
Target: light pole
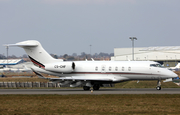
{"points": [[132, 39], [7, 47], [90, 49]]}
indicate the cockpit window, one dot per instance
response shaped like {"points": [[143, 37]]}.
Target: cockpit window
{"points": [[159, 65], [156, 65], [153, 65]]}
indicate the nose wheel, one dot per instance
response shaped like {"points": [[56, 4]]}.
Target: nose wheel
{"points": [[158, 85]]}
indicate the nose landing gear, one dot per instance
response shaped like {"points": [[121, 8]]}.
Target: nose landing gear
{"points": [[158, 85]]}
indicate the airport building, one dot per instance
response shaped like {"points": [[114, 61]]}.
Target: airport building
{"points": [[167, 56]]}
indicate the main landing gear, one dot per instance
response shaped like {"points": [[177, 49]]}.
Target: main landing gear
{"points": [[158, 85]]}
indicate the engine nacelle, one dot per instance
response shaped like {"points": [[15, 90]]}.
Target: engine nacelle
{"points": [[62, 67]]}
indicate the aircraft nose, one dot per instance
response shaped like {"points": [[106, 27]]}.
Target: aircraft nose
{"points": [[174, 75]]}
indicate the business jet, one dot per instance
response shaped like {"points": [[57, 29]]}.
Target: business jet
{"points": [[92, 73], [177, 67]]}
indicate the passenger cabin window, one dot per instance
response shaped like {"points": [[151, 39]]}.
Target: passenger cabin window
{"points": [[122, 68], [156, 65], [116, 68], [110, 68], [103, 68], [96, 68], [129, 68]]}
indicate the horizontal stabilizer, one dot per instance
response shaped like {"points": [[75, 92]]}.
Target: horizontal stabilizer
{"points": [[24, 44]]}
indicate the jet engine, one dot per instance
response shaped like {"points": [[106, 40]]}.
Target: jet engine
{"points": [[62, 67]]}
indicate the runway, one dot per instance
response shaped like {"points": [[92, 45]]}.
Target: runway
{"points": [[99, 92]]}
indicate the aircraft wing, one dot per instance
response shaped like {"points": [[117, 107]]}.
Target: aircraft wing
{"points": [[72, 78], [75, 81], [80, 78]]}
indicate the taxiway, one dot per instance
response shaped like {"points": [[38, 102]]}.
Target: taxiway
{"points": [[99, 92]]}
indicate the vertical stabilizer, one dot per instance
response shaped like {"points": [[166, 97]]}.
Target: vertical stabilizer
{"points": [[178, 65], [36, 52]]}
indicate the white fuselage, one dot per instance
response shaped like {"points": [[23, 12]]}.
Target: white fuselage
{"points": [[116, 70]]}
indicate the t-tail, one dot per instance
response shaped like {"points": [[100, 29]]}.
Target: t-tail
{"points": [[36, 53]]}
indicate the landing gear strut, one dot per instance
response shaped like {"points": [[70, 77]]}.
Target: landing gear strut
{"points": [[158, 85]]}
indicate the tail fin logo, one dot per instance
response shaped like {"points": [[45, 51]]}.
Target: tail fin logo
{"points": [[36, 63]]}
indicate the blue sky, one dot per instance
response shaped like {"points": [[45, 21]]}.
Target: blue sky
{"points": [[71, 26]]}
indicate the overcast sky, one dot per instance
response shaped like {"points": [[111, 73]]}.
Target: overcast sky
{"points": [[71, 26]]}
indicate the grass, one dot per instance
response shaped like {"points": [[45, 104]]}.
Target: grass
{"points": [[90, 104]]}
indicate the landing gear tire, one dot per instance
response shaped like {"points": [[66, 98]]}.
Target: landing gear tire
{"points": [[158, 87], [86, 88], [96, 87]]}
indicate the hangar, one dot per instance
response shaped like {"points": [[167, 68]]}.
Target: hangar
{"points": [[169, 56]]}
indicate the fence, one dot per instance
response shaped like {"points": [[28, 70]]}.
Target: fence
{"points": [[38, 84]]}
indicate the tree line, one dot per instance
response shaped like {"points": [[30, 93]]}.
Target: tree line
{"points": [[74, 56]]}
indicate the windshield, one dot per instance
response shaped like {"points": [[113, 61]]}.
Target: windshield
{"points": [[156, 65]]}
